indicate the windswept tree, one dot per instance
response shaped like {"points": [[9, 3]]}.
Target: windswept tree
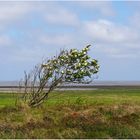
{"points": [[70, 66]]}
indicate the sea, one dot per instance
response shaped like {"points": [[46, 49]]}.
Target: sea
{"points": [[98, 83], [13, 86]]}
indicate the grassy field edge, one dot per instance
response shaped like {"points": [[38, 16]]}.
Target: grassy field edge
{"points": [[73, 114]]}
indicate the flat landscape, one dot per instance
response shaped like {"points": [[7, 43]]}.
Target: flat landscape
{"points": [[73, 114]]}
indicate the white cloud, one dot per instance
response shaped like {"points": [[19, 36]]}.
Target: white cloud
{"points": [[56, 40], [52, 12], [4, 41], [61, 16], [104, 7], [135, 20], [109, 32], [112, 39], [11, 11], [115, 51]]}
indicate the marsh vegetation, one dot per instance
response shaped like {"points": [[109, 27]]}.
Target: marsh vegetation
{"points": [[73, 114]]}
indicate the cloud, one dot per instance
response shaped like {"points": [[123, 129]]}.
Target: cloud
{"points": [[112, 39], [135, 20], [109, 32], [4, 41], [11, 11], [61, 16], [30, 31], [104, 7], [56, 40]]}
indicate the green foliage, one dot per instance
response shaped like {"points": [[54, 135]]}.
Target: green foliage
{"points": [[71, 66]]}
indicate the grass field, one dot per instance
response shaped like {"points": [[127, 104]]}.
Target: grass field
{"points": [[74, 114]]}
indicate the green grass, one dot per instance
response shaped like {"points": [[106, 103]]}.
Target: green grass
{"points": [[73, 114]]}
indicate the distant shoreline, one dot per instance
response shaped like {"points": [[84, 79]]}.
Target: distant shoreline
{"points": [[77, 87], [13, 86], [94, 83]]}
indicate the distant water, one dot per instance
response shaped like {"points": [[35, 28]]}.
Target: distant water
{"points": [[9, 83], [16, 83]]}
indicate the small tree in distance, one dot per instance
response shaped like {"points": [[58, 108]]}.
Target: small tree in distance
{"points": [[72, 66]]}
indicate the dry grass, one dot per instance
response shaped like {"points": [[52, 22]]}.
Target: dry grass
{"points": [[74, 116], [119, 121]]}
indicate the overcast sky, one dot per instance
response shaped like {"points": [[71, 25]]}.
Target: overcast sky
{"points": [[31, 31]]}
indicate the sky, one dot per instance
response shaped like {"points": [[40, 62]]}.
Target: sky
{"points": [[33, 30]]}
